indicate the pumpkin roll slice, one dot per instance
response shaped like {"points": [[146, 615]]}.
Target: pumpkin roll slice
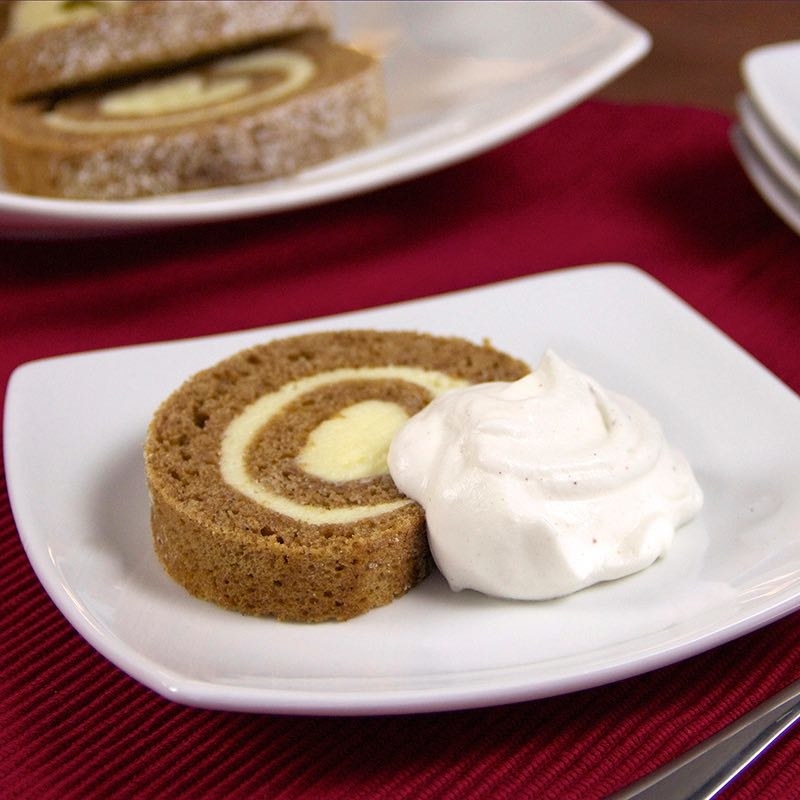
{"points": [[52, 46], [251, 116], [269, 486]]}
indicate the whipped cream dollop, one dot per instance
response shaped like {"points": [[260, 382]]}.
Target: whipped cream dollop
{"points": [[537, 488]]}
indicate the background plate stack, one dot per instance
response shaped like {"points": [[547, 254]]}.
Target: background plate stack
{"points": [[767, 135]]}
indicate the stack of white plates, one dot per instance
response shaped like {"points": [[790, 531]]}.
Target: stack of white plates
{"points": [[767, 135]]}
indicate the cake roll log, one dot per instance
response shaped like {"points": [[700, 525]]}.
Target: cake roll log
{"points": [[270, 493], [54, 45], [252, 116]]}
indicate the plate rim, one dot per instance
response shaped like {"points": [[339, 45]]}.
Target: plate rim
{"points": [[771, 149], [764, 179], [774, 114]]}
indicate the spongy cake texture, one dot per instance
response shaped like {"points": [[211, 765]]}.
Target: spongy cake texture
{"points": [[70, 146], [129, 38], [262, 557]]}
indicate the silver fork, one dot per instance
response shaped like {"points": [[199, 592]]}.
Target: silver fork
{"points": [[702, 772]]}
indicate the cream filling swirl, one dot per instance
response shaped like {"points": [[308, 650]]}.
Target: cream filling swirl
{"points": [[243, 428], [29, 16], [229, 87]]}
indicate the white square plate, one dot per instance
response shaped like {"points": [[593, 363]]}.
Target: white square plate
{"points": [[74, 430], [461, 77]]}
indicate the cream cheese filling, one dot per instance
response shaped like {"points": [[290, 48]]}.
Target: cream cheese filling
{"points": [[191, 97], [355, 443], [242, 429], [29, 16]]}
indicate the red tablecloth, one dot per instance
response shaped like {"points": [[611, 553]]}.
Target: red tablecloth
{"points": [[658, 187]]}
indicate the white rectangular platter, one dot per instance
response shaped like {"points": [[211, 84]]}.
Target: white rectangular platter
{"points": [[461, 78]]}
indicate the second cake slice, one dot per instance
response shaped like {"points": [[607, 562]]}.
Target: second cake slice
{"points": [[247, 117]]}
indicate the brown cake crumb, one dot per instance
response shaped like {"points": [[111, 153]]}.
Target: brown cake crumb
{"points": [[242, 554]]}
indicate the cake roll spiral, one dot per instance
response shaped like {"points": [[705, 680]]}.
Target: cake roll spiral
{"points": [[269, 485]]}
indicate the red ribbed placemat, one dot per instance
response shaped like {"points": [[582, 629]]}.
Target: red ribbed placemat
{"points": [[658, 187]]}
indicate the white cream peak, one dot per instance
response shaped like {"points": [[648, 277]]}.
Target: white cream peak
{"points": [[538, 488]]}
